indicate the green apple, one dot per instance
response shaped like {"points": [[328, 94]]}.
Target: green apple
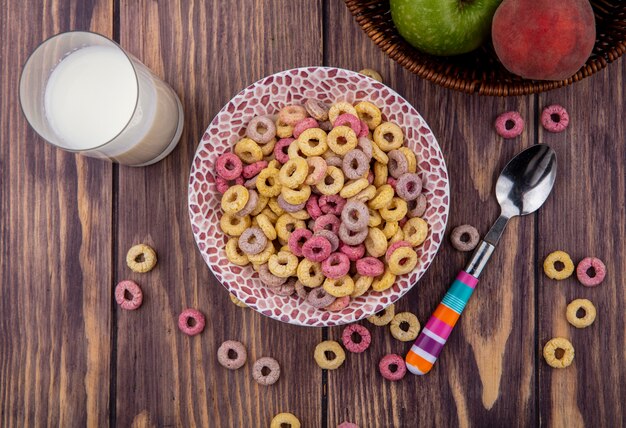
{"points": [[444, 27]]}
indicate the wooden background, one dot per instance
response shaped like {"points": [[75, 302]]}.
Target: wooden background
{"points": [[70, 357]]}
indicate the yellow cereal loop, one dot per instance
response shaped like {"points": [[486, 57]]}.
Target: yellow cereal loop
{"points": [[276, 209], [369, 114], [394, 210], [283, 130], [312, 142], [372, 73], [264, 255], [310, 273], [261, 203], [375, 218], [234, 199], [361, 285], [383, 282], [381, 172], [340, 287], [388, 136], [248, 151], [389, 228], [285, 224], [340, 108], [384, 195], [332, 347], [550, 268], [341, 140], [285, 418], [398, 236], [268, 148], [267, 182], [353, 187], [332, 182], [283, 264], [413, 326], [366, 194], [402, 260], [274, 164], [141, 258], [266, 226], [296, 196], [293, 173], [564, 348], [271, 215], [376, 242], [384, 317], [379, 155], [234, 253], [234, 225], [415, 231], [589, 313], [293, 151], [236, 301], [410, 158]]}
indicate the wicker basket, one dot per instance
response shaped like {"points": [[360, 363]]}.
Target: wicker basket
{"points": [[480, 71]]}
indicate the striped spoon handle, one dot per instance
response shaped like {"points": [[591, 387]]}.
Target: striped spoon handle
{"points": [[434, 335]]}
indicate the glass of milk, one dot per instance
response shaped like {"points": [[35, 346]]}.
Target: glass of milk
{"points": [[83, 93]]}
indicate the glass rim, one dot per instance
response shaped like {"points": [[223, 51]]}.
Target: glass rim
{"points": [[30, 56]]}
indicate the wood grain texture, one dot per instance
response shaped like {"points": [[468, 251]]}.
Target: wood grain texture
{"points": [[55, 295], [471, 384], [208, 51], [586, 217]]}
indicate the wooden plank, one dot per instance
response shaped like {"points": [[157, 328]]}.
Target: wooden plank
{"points": [[485, 376], [55, 288], [208, 51], [586, 217]]}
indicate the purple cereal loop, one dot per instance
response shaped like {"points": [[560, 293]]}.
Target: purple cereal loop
{"points": [[350, 237], [268, 278], [370, 266], [409, 186], [228, 166], [364, 130], [253, 200], [354, 253], [549, 117], [355, 216], [313, 208], [365, 144], [586, 264], [303, 125], [331, 204], [349, 344], [469, 231], [417, 208], [350, 120], [316, 248], [323, 222], [392, 360], [319, 298], [513, 117], [240, 354], [326, 126], [250, 183], [332, 238], [252, 241], [316, 109], [287, 289], [300, 290], [338, 304], [398, 164], [280, 149], [355, 163], [253, 169], [253, 129], [290, 208], [336, 265], [266, 363], [297, 239]]}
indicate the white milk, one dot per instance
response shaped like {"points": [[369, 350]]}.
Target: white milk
{"points": [[92, 95]]}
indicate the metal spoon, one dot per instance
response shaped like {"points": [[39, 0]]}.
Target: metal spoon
{"points": [[523, 186]]}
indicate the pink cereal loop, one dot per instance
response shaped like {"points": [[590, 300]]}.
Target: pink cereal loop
{"points": [[253, 169], [326, 220], [392, 360], [303, 125], [280, 149], [228, 166], [349, 344], [393, 247], [331, 204], [313, 208], [316, 248], [392, 182], [297, 239], [221, 184], [555, 118], [338, 304], [336, 265], [364, 130], [518, 124], [354, 252], [586, 264], [191, 322], [349, 119], [370, 266], [135, 292]]}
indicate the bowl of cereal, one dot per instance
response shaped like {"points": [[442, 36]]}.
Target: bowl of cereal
{"points": [[318, 196]]}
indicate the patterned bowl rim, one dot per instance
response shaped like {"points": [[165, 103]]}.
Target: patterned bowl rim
{"points": [[412, 111]]}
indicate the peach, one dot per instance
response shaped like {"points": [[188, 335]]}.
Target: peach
{"points": [[544, 40]]}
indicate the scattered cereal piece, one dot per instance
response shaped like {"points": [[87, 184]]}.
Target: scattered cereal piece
{"points": [[550, 268], [554, 118], [589, 313], [141, 258], [273, 371], [128, 295], [232, 354], [509, 124], [236, 301], [392, 367], [282, 419], [405, 318], [384, 317], [591, 271], [347, 425], [191, 322], [335, 358], [362, 340], [464, 237], [558, 352], [371, 73]]}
